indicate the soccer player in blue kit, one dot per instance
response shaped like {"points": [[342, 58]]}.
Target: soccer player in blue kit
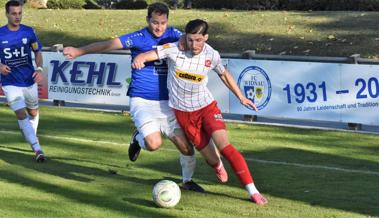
{"points": [[148, 90], [18, 76]]}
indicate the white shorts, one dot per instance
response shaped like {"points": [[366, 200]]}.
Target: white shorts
{"points": [[21, 97], [153, 116]]}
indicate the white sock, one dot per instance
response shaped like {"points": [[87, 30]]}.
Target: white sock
{"points": [[36, 147], [188, 164], [29, 134], [251, 189], [35, 122], [141, 141]]}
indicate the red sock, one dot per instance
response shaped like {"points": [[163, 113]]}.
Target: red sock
{"points": [[238, 163]]}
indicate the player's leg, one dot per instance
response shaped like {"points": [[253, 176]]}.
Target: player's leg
{"points": [[31, 101], [16, 101], [187, 160], [146, 115], [212, 157], [214, 125], [33, 118], [171, 128], [239, 165], [147, 137], [191, 124]]}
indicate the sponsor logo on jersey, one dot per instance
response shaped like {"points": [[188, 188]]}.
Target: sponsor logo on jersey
{"points": [[35, 46], [24, 40], [167, 45], [218, 117], [208, 63], [128, 43], [189, 76], [4, 42], [256, 85]]}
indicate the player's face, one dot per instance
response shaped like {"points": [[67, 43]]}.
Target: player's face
{"points": [[14, 16], [196, 42], [157, 24]]}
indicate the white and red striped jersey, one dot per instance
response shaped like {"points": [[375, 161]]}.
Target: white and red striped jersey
{"points": [[188, 76]]}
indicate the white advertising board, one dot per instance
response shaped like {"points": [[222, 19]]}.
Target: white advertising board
{"points": [[306, 90], [283, 89], [94, 78]]}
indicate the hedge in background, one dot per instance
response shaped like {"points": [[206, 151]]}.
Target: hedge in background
{"points": [[66, 4], [331, 5], [328, 5], [130, 4], [92, 4]]}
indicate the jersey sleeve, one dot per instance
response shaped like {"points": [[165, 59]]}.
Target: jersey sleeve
{"points": [[177, 34], [130, 40], [35, 44], [218, 66], [167, 50]]}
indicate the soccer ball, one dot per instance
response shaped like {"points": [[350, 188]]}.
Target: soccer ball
{"points": [[166, 194]]}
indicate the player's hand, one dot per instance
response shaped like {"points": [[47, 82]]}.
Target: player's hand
{"points": [[248, 103], [38, 77], [138, 62], [4, 69], [72, 52]]}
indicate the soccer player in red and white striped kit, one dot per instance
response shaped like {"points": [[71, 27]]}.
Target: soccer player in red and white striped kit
{"points": [[195, 108]]}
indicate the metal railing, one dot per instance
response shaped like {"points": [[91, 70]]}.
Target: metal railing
{"points": [[251, 54]]}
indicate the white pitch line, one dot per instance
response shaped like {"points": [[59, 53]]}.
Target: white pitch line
{"points": [[315, 166], [248, 159], [65, 138]]}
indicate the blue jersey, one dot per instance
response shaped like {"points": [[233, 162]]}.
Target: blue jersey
{"points": [[149, 82], [15, 52]]}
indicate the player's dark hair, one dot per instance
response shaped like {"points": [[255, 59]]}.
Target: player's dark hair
{"points": [[12, 3], [197, 27], [157, 7]]}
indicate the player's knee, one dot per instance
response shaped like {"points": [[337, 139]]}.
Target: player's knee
{"points": [[20, 114], [33, 112], [188, 152], [153, 144], [184, 147]]}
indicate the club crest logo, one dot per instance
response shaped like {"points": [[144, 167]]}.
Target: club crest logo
{"points": [[128, 43], [256, 85], [208, 63], [24, 40]]}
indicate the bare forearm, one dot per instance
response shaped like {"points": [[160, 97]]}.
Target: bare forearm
{"points": [[140, 60], [150, 56], [38, 59], [95, 47], [229, 82], [102, 46]]}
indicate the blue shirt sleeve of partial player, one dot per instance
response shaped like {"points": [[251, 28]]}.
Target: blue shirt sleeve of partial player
{"points": [[149, 82], [131, 40], [177, 33], [138, 38]]}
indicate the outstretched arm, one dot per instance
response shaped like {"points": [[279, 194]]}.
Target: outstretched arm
{"points": [[72, 52], [139, 60], [228, 80]]}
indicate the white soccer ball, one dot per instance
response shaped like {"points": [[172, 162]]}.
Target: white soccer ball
{"points": [[166, 193]]}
